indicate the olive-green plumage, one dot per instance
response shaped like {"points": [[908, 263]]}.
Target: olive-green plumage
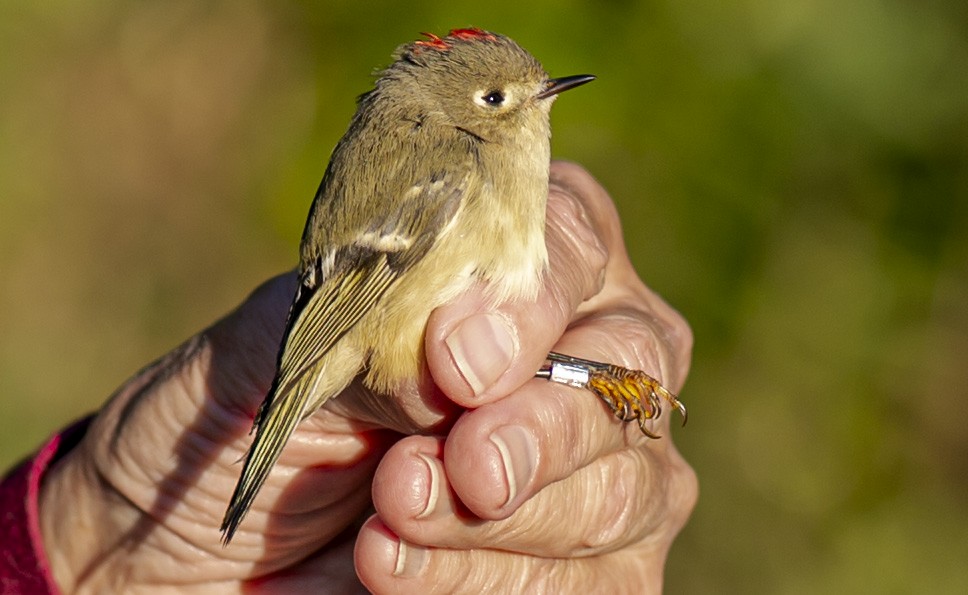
{"points": [[441, 179]]}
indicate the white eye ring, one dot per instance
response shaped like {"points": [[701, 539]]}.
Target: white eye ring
{"points": [[491, 98]]}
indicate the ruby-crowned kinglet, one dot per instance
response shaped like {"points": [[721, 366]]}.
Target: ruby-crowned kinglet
{"points": [[441, 180]]}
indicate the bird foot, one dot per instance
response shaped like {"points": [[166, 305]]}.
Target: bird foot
{"points": [[632, 395]]}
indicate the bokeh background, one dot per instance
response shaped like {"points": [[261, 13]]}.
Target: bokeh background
{"points": [[792, 175]]}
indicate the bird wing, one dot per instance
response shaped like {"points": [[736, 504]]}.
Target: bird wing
{"points": [[360, 273], [327, 305]]}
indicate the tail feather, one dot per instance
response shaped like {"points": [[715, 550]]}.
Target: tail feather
{"points": [[272, 433]]}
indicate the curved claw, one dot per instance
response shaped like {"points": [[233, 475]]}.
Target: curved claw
{"points": [[682, 410], [645, 430]]}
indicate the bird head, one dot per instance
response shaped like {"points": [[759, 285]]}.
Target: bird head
{"points": [[480, 82]]}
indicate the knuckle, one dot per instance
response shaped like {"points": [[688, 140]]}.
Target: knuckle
{"points": [[551, 576], [575, 244], [634, 336], [612, 574], [676, 332], [613, 487], [656, 342], [686, 482]]}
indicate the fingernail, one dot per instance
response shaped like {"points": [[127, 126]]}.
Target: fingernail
{"points": [[482, 347], [436, 500], [518, 455], [411, 559]]}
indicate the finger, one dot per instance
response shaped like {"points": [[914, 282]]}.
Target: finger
{"points": [[609, 504], [478, 353], [623, 290], [662, 345], [500, 455], [388, 562]]}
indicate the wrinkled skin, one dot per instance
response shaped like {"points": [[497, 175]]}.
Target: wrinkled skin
{"points": [[590, 503]]}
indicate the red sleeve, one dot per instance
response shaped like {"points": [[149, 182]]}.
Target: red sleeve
{"points": [[24, 567]]}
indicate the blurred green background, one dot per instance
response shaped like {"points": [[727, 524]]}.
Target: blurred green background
{"points": [[792, 175]]}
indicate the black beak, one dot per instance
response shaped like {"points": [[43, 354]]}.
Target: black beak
{"points": [[555, 86]]}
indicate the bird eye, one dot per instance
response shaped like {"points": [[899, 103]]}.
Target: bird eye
{"points": [[494, 98]]}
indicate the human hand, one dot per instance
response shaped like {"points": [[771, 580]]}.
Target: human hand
{"points": [[542, 490], [148, 483]]}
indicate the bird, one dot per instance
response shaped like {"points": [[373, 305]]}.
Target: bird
{"points": [[440, 181]]}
